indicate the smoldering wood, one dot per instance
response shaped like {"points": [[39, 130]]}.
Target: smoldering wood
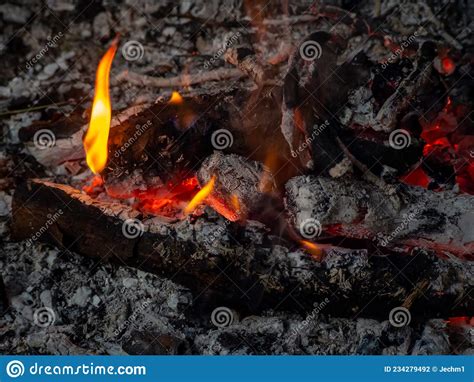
{"points": [[238, 177], [170, 139], [253, 186], [441, 221], [274, 35], [177, 149], [315, 91], [260, 271], [166, 139]]}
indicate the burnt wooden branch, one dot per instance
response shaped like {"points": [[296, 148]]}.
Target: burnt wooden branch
{"points": [[181, 80], [244, 58], [241, 266], [441, 221]]}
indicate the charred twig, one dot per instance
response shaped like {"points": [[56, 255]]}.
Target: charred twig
{"points": [[246, 61], [181, 80]]}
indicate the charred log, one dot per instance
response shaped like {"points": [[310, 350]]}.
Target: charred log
{"points": [[241, 266], [441, 221]]}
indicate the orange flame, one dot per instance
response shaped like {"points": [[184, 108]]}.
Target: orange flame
{"points": [[95, 141], [175, 98], [313, 249], [234, 199], [200, 196]]}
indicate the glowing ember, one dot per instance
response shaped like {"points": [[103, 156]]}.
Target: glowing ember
{"points": [[175, 99], [417, 177], [167, 200], [200, 196], [96, 183], [461, 321], [95, 141], [312, 249], [448, 65], [221, 207]]}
